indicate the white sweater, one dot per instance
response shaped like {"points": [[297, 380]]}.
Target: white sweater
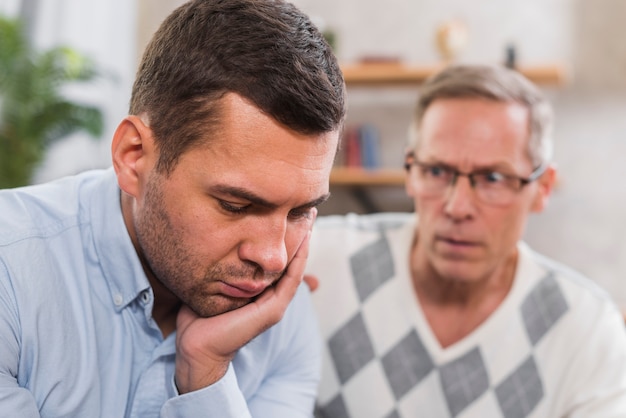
{"points": [[555, 347]]}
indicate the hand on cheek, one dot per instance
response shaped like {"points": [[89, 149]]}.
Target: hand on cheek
{"points": [[206, 346]]}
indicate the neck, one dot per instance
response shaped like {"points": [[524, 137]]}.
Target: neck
{"points": [[453, 306], [446, 291], [462, 292], [166, 304]]}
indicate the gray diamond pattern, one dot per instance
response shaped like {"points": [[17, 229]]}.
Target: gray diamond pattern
{"points": [[521, 391], [407, 364], [371, 267], [336, 408], [464, 380], [350, 348], [543, 306]]}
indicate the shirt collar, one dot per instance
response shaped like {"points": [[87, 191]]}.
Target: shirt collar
{"points": [[118, 259]]}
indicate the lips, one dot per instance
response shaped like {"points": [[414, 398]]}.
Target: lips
{"points": [[457, 241], [455, 245], [247, 290]]}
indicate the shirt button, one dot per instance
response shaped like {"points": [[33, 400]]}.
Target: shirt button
{"points": [[145, 296], [118, 299]]}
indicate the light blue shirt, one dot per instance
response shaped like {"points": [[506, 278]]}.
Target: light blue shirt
{"points": [[77, 338]]}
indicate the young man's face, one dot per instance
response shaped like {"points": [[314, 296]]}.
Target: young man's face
{"points": [[463, 238], [228, 220]]}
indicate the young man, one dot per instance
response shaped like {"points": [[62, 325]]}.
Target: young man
{"points": [[447, 313], [169, 285]]}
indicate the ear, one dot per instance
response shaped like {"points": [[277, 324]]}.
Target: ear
{"points": [[409, 179], [133, 153], [409, 187], [545, 185]]}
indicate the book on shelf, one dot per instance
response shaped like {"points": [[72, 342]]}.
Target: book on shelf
{"points": [[352, 146], [360, 147]]}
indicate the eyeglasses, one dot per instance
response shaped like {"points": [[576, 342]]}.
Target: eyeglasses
{"points": [[491, 187]]}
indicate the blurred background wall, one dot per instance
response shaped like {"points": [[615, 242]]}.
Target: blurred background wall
{"points": [[583, 226]]}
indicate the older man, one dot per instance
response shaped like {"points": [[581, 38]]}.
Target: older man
{"points": [[448, 313]]}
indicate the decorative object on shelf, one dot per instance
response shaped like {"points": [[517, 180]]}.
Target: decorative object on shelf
{"points": [[450, 39], [33, 112], [511, 57]]}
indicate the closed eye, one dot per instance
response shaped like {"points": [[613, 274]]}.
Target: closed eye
{"points": [[301, 213], [236, 208], [242, 209]]}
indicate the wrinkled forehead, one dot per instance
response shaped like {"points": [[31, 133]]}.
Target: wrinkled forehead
{"points": [[476, 131]]}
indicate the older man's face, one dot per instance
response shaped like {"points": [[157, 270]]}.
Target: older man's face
{"points": [[462, 237]]}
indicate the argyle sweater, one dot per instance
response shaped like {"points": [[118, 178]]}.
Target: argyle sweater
{"points": [[555, 347]]}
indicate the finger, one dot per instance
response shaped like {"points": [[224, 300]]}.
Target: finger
{"points": [[311, 281], [288, 284], [314, 213]]}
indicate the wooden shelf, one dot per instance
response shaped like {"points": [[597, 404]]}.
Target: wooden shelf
{"points": [[392, 73], [345, 176]]}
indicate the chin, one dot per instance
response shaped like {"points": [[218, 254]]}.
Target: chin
{"points": [[208, 310], [460, 272]]}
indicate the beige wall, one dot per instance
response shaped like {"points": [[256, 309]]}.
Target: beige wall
{"points": [[151, 13]]}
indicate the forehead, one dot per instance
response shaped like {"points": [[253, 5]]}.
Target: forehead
{"points": [[251, 151], [475, 131], [246, 130]]}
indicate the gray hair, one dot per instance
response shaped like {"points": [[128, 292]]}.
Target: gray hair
{"points": [[495, 83]]}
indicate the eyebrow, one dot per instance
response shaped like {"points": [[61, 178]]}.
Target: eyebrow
{"points": [[242, 193]]}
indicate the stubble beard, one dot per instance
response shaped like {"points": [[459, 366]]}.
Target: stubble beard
{"points": [[171, 263]]}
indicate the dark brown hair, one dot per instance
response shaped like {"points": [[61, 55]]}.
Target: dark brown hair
{"points": [[264, 50]]}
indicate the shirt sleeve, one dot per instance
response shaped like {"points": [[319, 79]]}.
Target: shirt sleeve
{"points": [[222, 399], [290, 388], [14, 400], [291, 372]]}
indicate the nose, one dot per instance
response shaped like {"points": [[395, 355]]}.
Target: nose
{"points": [[460, 199], [266, 245]]}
